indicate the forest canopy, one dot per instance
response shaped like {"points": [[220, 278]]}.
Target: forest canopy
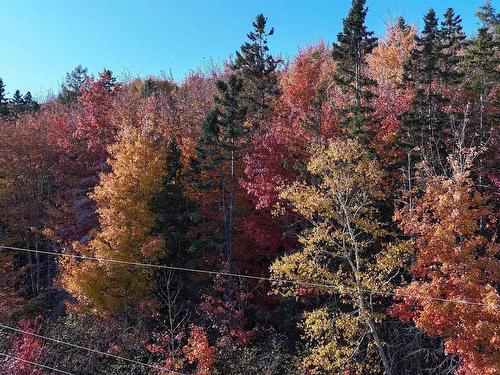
{"points": [[336, 213]]}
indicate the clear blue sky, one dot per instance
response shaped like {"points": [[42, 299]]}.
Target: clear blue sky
{"points": [[41, 40]]}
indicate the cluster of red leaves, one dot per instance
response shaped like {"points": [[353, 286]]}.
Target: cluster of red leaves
{"points": [[162, 343], [229, 317], [95, 128], [25, 348], [281, 148]]}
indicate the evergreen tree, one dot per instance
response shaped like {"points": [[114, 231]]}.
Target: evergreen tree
{"points": [[355, 42], [481, 69], [17, 102], [4, 110], [258, 69], [490, 19], [401, 24], [219, 152], [70, 89], [452, 42], [109, 80], [426, 120], [174, 208], [30, 104], [21, 104]]}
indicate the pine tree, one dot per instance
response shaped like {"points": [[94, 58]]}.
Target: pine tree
{"points": [[73, 83], [219, 153], [258, 69], [355, 42]]}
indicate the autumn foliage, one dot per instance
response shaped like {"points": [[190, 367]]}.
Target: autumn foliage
{"points": [[336, 212], [456, 261]]}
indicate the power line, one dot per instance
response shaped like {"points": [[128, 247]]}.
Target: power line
{"points": [[164, 370], [340, 288], [37, 364]]}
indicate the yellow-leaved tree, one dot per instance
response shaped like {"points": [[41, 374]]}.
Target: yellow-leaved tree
{"points": [[126, 233], [345, 245]]}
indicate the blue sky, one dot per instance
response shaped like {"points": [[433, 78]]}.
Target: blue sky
{"points": [[42, 40]]}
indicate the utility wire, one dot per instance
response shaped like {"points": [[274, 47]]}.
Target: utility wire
{"points": [[36, 364], [162, 369], [340, 288]]}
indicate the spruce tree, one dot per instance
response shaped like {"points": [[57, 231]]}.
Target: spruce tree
{"points": [[258, 69], [20, 104], [354, 43], [452, 41], [70, 89], [174, 209], [480, 67], [31, 105], [490, 19], [401, 24], [4, 109], [17, 102], [219, 153], [425, 121]]}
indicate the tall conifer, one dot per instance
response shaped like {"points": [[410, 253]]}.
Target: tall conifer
{"points": [[220, 149], [73, 82], [173, 207], [452, 43], [258, 69], [353, 45], [426, 120]]}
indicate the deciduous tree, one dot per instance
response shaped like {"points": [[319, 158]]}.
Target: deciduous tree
{"points": [[343, 246], [456, 260], [126, 223]]}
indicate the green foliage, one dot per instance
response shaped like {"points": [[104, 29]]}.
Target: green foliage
{"points": [[490, 18], [4, 110], [353, 45], [432, 67], [73, 83], [481, 70], [176, 213], [258, 69], [101, 171], [451, 42], [219, 153], [21, 104]]}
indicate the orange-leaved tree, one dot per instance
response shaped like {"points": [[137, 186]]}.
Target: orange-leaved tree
{"points": [[126, 233], [457, 260]]}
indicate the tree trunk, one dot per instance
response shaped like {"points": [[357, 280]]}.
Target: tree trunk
{"points": [[230, 230], [37, 260]]}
